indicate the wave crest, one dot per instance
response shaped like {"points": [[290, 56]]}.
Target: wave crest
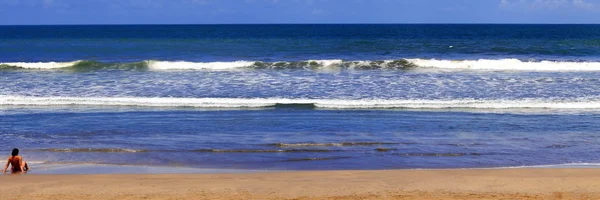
{"points": [[439, 154], [185, 65], [122, 150], [332, 144], [400, 64], [93, 150], [317, 103], [507, 64], [38, 65]]}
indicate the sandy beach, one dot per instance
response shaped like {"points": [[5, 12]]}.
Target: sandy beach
{"points": [[386, 184]]}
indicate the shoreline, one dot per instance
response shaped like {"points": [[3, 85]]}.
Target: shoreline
{"points": [[82, 169], [523, 183], [89, 168]]}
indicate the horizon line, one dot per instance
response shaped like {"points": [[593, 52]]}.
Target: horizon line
{"points": [[137, 24]]}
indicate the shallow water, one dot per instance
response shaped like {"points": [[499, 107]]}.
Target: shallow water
{"points": [[302, 138]]}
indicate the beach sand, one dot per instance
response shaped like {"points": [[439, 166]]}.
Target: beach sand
{"points": [[527, 183]]}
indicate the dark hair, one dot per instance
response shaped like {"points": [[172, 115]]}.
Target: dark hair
{"points": [[15, 152]]}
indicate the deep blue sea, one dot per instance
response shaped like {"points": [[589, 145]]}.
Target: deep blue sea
{"points": [[302, 97]]}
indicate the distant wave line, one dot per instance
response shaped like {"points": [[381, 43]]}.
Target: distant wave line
{"points": [[508, 64], [334, 144], [123, 150], [293, 103]]}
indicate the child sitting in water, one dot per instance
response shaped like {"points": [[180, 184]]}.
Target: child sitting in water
{"points": [[17, 162]]}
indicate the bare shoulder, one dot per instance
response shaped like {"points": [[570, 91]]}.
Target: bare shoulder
{"points": [[15, 158]]}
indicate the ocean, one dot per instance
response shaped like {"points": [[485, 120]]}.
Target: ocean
{"points": [[301, 97]]}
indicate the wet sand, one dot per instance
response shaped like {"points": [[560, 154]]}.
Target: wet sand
{"points": [[386, 184]]}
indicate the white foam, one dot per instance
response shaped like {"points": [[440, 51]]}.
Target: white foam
{"points": [[321, 103], [183, 65], [132, 101], [462, 103], [507, 65], [565, 165], [327, 63], [41, 65]]}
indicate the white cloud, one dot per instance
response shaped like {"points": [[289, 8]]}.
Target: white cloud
{"points": [[583, 4], [550, 4], [545, 4]]}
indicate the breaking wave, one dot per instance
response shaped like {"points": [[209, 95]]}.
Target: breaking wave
{"points": [[332, 144], [439, 154], [316, 103], [264, 150], [507, 65], [94, 150], [400, 64], [315, 159], [82, 65], [120, 150], [185, 65]]}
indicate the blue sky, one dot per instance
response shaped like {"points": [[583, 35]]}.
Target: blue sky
{"points": [[296, 11]]}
